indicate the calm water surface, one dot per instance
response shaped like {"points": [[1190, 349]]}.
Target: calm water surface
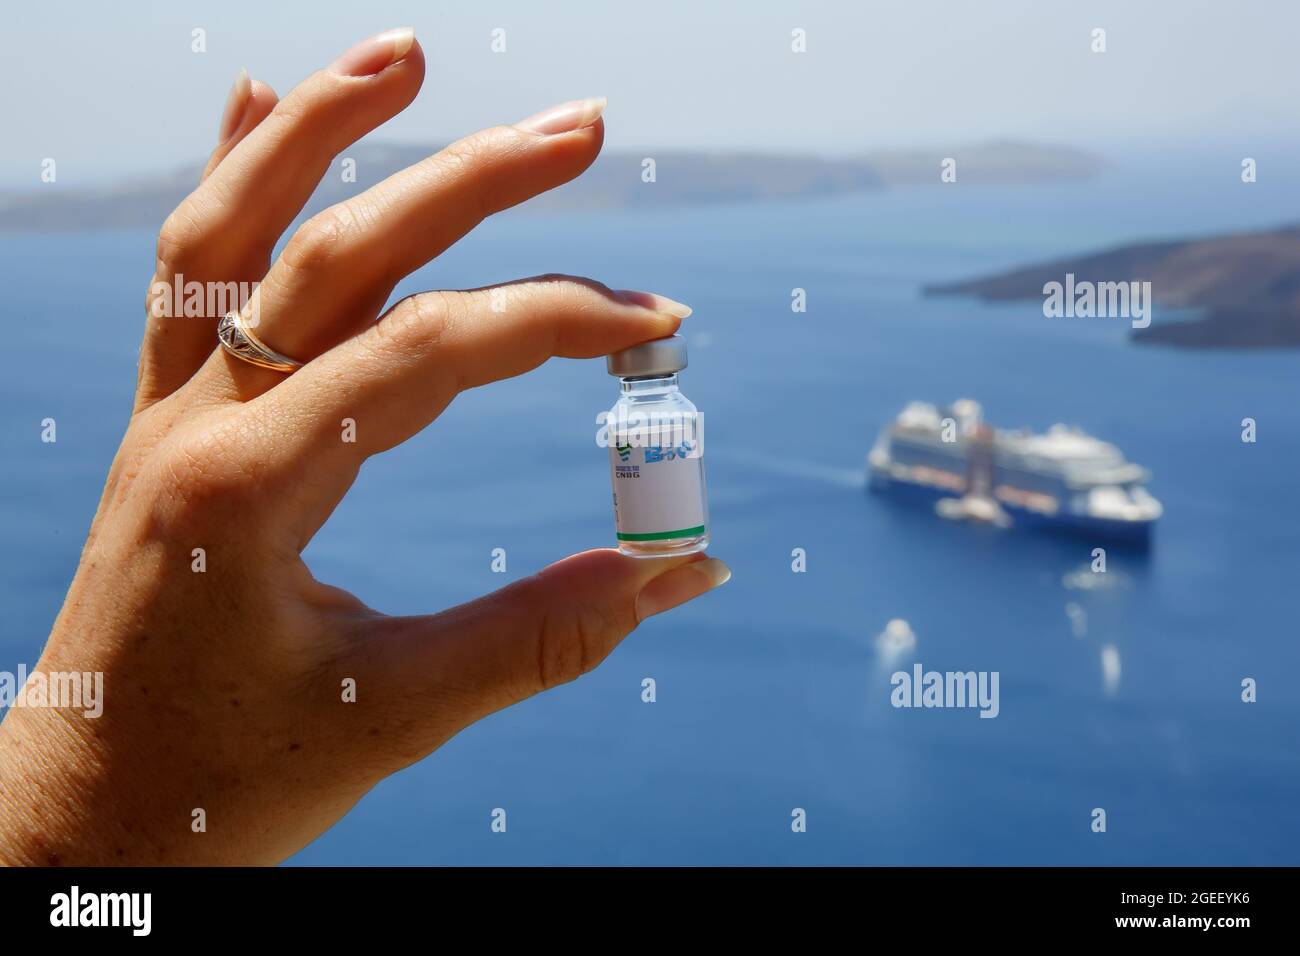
{"points": [[771, 693]]}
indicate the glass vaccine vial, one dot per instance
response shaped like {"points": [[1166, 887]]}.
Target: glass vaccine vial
{"points": [[656, 454]]}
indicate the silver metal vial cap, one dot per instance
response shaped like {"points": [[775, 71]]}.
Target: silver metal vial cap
{"points": [[658, 357]]}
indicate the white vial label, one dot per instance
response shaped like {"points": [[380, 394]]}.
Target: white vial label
{"points": [[658, 491]]}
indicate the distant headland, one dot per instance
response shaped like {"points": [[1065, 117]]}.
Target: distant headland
{"points": [[617, 180], [1244, 287]]}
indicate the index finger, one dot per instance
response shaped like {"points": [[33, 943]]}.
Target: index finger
{"points": [[396, 377]]}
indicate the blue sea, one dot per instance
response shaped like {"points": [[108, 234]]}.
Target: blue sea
{"points": [[771, 692]]}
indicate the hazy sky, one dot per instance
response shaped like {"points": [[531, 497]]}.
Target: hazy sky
{"points": [[113, 89]]}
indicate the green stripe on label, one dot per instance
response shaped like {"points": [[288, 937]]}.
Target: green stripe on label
{"points": [[660, 535]]}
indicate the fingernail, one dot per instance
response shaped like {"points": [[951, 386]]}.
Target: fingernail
{"points": [[372, 55], [236, 106], [565, 118], [659, 303], [680, 585]]}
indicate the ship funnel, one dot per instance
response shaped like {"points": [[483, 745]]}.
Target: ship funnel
{"points": [[968, 415]]}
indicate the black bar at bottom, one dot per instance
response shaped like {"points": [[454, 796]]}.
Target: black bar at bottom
{"points": [[303, 906]]}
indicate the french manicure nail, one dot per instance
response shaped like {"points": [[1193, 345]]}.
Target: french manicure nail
{"points": [[236, 106], [565, 118], [680, 585], [657, 303], [377, 53]]}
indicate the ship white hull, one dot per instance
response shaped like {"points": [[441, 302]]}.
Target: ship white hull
{"points": [[1136, 533]]}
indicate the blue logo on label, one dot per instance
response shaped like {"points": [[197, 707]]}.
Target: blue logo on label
{"points": [[660, 453]]}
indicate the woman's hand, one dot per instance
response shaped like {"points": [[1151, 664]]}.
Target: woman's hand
{"points": [[225, 690]]}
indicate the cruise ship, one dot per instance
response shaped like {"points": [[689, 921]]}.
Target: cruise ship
{"points": [[1062, 480]]}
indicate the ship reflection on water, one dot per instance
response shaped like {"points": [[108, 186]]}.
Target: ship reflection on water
{"points": [[1064, 480]]}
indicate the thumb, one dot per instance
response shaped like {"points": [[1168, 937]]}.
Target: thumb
{"points": [[430, 677]]}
